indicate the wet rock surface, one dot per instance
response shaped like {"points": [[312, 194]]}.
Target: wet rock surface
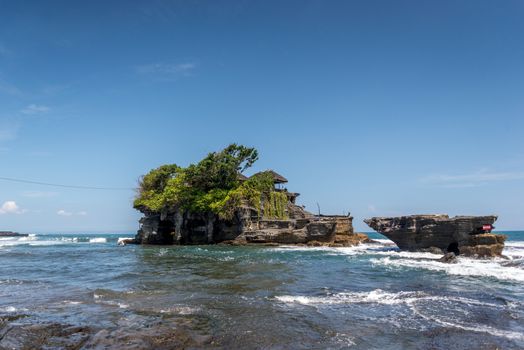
{"points": [[246, 227], [462, 235], [449, 258], [17, 332], [16, 335]]}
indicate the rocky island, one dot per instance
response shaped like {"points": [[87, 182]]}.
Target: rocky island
{"points": [[465, 235], [213, 202], [12, 234]]}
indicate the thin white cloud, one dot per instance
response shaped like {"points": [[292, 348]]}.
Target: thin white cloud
{"points": [[63, 212], [167, 70], [9, 89], [475, 179], [372, 208], [35, 109], [38, 194], [10, 207]]}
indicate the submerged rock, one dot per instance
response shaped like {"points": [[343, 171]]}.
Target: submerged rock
{"points": [[466, 235], [449, 258], [15, 335]]}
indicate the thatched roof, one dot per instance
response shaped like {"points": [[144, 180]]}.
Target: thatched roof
{"points": [[241, 177], [277, 178]]}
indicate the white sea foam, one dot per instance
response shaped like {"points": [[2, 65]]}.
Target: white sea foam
{"points": [[389, 256], [378, 296], [479, 328], [121, 240], [37, 240], [370, 249], [113, 303], [28, 238], [12, 309], [11, 241], [101, 299], [384, 241], [412, 299], [8, 309], [385, 247], [34, 240], [288, 248], [514, 250], [162, 252], [180, 310], [519, 244], [98, 240], [464, 267]]}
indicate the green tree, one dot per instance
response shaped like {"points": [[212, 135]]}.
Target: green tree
{"points": [[211, 185]]}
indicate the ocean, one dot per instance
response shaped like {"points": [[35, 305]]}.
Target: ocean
{"points": [[82, 291]]}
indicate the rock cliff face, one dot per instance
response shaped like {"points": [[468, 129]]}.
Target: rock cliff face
{"points": [[302, 227], [466, 235]]}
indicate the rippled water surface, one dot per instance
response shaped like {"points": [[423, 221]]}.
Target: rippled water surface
{"points": [[100, 295]]}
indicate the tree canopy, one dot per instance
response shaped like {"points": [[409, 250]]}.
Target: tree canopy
{"points": [[212, 184]]}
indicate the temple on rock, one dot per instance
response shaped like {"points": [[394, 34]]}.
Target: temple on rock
{"points": [[277, 219]]}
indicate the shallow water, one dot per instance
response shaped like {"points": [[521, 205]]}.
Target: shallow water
{"points": [[366, 297]]}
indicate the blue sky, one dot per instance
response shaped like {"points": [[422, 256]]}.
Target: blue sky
{"points": [[375, 107]]}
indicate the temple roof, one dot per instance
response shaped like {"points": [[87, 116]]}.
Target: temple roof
{"points": [[277, 178], [241, 177]]}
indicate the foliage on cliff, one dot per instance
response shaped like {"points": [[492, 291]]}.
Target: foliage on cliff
{"points": [[211, 185]]}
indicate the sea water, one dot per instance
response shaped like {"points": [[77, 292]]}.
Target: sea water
{"points": [[371, 296]]}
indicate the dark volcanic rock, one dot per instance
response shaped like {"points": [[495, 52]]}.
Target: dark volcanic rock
{"points": [[42, 336], [449, 258], [432, 250], [461, 234], [12, 234], [246, 227]]}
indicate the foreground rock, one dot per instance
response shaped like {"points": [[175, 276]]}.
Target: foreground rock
{"points": [[17, 332], [464, 235]]}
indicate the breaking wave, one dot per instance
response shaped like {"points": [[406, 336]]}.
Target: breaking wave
{"points": [[419, 303], [377, 296], [98, 240], [465, 267], [385, 253], [47, 240]]}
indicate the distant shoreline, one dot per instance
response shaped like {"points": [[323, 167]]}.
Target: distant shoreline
{"points": [[12, 234]]}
